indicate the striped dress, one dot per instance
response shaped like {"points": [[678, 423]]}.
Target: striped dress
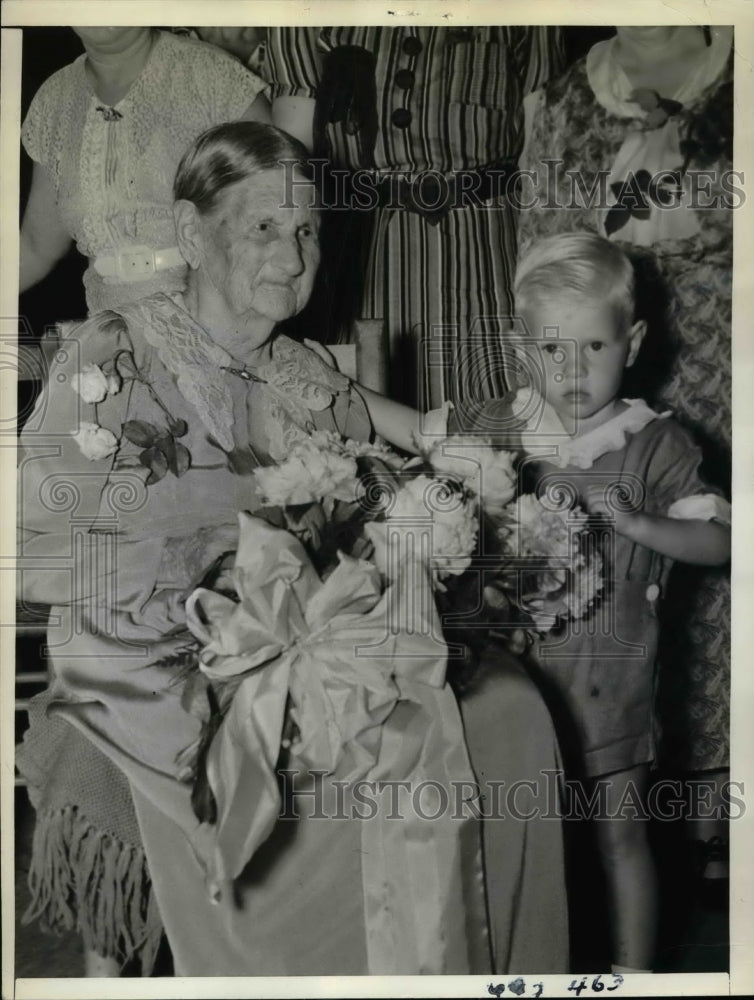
{"points": [[432, 99]]}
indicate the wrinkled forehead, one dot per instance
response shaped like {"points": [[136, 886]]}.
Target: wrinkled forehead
{"points": [[283, 194]]}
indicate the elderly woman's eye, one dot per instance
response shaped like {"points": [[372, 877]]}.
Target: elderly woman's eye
{"points": [[307, 231]]}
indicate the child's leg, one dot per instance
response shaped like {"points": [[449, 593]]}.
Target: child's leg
{"points": [[629, 870]]}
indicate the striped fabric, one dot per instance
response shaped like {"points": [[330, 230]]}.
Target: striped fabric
{"points": [[447, 100]]}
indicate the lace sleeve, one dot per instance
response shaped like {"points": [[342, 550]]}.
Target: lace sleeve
{"points": [[224, 83], [37, 129]]}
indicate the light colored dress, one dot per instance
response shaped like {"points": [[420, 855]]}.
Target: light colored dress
{"points": [[586, 122], [311, 901], [113, 176]]}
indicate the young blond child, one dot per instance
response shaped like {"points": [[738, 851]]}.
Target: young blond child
{"points": [[637, 472]]}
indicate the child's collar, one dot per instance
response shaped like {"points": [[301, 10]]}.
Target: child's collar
{"points": [[544, 436]]}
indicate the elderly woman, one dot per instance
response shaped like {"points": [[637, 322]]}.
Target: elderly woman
{"points": [[120, 521], [105, 134]]}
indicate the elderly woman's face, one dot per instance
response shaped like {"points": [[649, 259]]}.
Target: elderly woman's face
{"points": [[261, 246]]}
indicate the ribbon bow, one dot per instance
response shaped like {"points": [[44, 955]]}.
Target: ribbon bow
{"points": [[293, 635]]}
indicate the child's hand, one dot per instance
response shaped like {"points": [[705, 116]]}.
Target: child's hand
{"points": [[596, 501], [321, 352]]}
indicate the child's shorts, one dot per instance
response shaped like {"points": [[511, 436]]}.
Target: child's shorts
{"points": [[598, 678]]}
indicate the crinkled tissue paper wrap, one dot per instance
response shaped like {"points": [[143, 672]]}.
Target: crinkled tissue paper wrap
{"points": [[365, 672]]}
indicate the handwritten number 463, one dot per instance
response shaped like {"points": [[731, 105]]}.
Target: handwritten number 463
{"points": [[597, 985]]}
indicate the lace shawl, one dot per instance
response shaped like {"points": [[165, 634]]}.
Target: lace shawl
{"points": [[294, 382]]}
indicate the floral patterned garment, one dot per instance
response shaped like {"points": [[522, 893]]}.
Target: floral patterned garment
{"points": [[114, 178], [693, 278]]}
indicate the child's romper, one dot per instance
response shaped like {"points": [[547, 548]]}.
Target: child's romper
{"points": [[600, 671]]}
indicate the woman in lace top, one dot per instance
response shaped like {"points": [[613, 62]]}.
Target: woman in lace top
{"points": [[106, 133]]}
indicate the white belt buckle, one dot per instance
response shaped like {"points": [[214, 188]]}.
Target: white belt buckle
{"points": [[136, 263]]}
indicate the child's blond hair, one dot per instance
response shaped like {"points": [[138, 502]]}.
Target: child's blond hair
{"points": [[579, 266]]}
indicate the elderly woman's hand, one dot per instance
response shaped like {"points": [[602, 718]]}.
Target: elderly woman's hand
{"points": [[322, 353]]}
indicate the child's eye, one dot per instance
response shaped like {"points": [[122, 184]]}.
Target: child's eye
{"points": [[596, 345], [555, 353]]}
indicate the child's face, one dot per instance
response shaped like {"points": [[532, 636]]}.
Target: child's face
{"points": [[583, 355]]}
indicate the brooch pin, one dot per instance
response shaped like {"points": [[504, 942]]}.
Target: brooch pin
{"points": [[244, 373], [109, 114], [658, 109]]}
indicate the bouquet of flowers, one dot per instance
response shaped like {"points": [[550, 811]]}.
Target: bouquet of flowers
{"points": [[330, 618], [365, 500], [496, 561]]}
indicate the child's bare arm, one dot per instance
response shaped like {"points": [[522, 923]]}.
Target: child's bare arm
{"points": [[398, 424], [704, 543], [393, 421]]}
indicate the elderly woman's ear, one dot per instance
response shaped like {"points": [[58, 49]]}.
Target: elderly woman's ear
{"points": [[188, 232]]}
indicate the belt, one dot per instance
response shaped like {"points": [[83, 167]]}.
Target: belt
{"points": [[433, 195], [136, 263]]}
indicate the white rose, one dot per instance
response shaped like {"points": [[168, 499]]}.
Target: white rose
{"points": [[454, 540], [486, 471], [113, 384], [498, 478], [414, 499], [454, 523], [537, 531], [91, 384], [94, 441], [363, 449], [308, 475]]}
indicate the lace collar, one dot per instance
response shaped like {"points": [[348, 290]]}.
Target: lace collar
{"points": [[612, 88], [295, 375], [545, 429]]}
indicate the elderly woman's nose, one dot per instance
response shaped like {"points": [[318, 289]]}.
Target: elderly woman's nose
{"points": [[289, 254]]}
